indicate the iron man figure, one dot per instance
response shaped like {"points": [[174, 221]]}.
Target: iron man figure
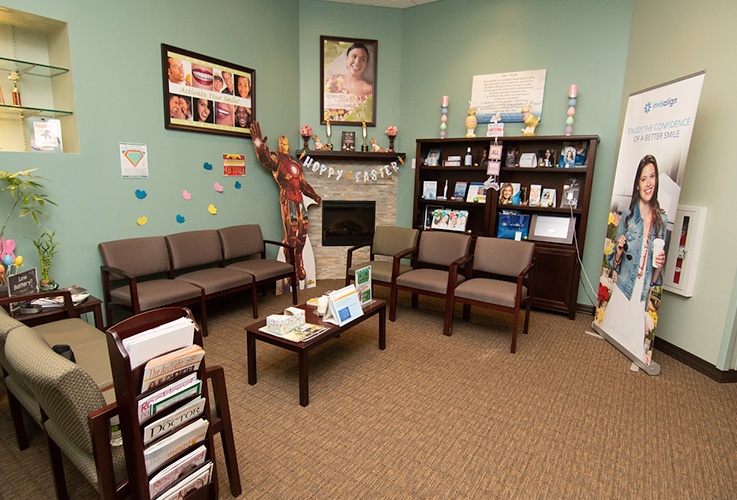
{"points": [[289, 176]]}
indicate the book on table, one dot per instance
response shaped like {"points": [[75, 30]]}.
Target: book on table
{"points": [[300, 333], [343, 306], [79, 295]]}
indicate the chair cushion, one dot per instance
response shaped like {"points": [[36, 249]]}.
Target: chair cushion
{"points": [[88, 344], [490, 291], [216, 279], [502, 256], [157, 293], [194, 248], [262, 269], [442, 248], [380, 270], [241, 241], [137, 256], [431, 280], [390, 240]]}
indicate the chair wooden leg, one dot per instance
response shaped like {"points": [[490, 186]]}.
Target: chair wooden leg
{"points": [[203, 313], [415, 301], [254, 300], [16, 414], [295, 286], [393, 304], [527, 316], [449, 310], [467, 312], [57, 468], [514, 331]]}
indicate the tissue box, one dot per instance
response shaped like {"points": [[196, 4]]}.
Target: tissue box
{"points": [[282, 323]]}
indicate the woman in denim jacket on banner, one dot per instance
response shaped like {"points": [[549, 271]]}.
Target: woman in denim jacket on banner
{"points": [[633, 260]]}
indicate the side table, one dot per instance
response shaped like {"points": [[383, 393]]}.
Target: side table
{"points": [[91, 304]]}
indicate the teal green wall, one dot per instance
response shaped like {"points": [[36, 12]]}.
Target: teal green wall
{"points": [[116, 66]]}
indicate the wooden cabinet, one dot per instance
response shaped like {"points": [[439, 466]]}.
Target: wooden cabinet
{"points": [[557, 255]]}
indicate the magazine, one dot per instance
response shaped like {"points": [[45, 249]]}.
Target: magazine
{"points": [[343, 306], [172, 473], [169, 366], [189, 411], [167, 396], [194, 481], [158, 453], [303, 332]]}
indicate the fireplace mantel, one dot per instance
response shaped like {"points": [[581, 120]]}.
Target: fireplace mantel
{"points": [[353, 155]]}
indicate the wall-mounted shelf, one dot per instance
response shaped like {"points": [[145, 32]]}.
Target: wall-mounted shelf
{"points": [[30, 68], [7, 109], [352, 155]]}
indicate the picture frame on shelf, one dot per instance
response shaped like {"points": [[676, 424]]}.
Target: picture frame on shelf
{"points": [[476, 193], [535, 195], [341, 103], [548, 198], [459, 190], [227, 90], [348, 141], [449, 219], [567, 157], [430, 190], [432, 211], [546, 157], [433, 158], [513, 155], [552, 228]]}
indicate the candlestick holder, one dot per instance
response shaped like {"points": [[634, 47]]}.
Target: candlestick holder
{"points": [[443, 116], [572, 95]]}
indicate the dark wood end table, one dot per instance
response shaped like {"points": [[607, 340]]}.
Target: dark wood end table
{"points": [[47, 315]]}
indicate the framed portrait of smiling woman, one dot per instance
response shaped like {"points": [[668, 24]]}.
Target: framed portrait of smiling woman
{"points": [[204, 94], [348, 80]]}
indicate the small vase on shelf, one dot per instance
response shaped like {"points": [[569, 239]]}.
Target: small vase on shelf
{"points": [[306, 133]]}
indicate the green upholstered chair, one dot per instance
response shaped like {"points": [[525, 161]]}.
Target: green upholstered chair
{"points": [[499, 277], [435, 268], [389, 246], [74, 414]]}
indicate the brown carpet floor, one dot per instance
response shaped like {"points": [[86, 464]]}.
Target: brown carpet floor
{"points": [[450, 417]]}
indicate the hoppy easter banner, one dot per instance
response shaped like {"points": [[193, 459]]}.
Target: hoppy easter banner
{"points": [[656, 136]]}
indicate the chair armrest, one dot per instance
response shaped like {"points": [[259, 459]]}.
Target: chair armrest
{"points": [[526, 277], [66, 294], [397, 259], [287, 248], [132, 283], [349, 254], [453, 270]]}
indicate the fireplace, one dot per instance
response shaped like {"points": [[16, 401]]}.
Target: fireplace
{"points": [[347, 223]]}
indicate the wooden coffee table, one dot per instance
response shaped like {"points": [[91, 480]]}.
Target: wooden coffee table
{"points": [[377, 306]]}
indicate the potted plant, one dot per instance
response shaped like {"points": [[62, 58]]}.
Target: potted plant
{"points": [[46, 247], [27, 196]]}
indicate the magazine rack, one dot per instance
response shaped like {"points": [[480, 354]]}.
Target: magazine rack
{"points": [[127, 390]]}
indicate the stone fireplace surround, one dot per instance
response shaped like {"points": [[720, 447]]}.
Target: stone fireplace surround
{"points": [[330, 261]]}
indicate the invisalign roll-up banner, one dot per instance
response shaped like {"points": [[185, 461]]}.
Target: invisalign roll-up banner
{"points": [[650, 167]]}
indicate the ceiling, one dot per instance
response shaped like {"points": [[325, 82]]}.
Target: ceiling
{"points": [[395, 4]]}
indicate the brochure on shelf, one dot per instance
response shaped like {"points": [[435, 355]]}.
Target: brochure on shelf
{"points": [[157, 341], [343, 306], [195, 480], [363, 284], [167, 396]]}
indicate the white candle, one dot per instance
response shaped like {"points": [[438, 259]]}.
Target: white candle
{"points": [[444, 101], [573, 90]]}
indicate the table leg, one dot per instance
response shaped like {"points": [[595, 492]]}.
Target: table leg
{"points": [[97, 313], [304, 391], [382, 328], [251, 357]]}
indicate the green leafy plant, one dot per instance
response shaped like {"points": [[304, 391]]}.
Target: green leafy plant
{"points": [[46, 247], [27, 193]]}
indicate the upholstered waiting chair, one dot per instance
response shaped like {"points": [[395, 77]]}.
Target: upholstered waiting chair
{"points": [[390, 242], [241, 243], [437, 258], [74, 415], [135, 278], [499, 277]]}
